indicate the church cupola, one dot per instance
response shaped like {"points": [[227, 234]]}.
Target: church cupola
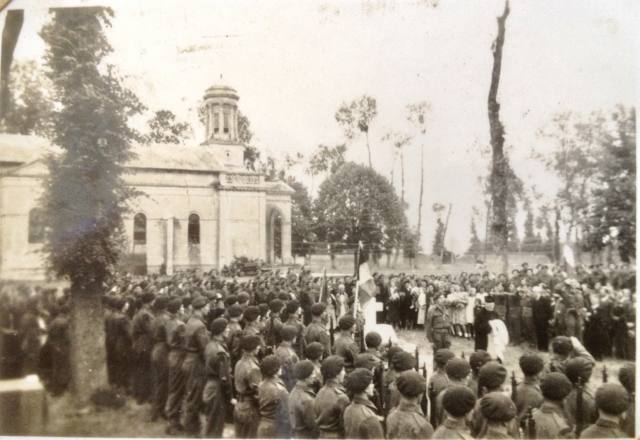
{"points": [[221, 114]]}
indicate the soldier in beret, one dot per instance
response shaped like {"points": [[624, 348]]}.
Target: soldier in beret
{"points": [[491, 378], [331, 400], [344, 345], [302, 416], [528, 393], [360, 418], [550, 418], [234, 314], [373, 340], [439, 380], [499, 412], [407, 420], [247, 378], [457, 371], [273, 324], [294, 318], [563, 349], [438, 324], [457, 403], [579, 369], [251, 325], [159, 353], [627, 377], [314, 352], [612, 402], [196, 339], [401, 362], [176, 380], [287, 355], [273, 400], [217, 393], [476, 361], [316, 330], [142, 338]]}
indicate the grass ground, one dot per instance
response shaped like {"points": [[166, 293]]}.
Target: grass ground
{"points": [[133, 420]]}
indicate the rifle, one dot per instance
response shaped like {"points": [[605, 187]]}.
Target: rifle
{"points": [[417, 356], [378, 378], [362, 345], [331, 335], [579, 407], [514, 387], [425, 399], [605, 374], [432, 399], [531, 424], [389, 355]]}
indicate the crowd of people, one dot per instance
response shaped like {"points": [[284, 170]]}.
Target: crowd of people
{"points": [[284, 355]]}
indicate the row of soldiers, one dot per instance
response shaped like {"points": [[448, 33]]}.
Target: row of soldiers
{"points": [[274, 377]]}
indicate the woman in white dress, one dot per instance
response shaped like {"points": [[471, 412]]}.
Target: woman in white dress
{"points": [[422, 303]]}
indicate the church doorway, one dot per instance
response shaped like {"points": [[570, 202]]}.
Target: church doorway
{"points": [[274, 237]]}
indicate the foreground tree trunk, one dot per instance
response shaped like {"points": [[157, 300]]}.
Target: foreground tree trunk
{"points": [[498, 179], [88, 356], [421, 199]]}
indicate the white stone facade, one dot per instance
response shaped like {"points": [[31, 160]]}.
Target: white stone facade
{"points": [[236, 209]]}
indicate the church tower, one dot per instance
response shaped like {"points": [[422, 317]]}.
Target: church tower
{"points": [[221, 124]]}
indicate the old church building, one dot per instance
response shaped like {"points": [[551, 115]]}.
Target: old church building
{"points": [[199, 205]]}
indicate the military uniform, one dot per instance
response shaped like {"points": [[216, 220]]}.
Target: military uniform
{"points": [[142, 335], [437, 327], [528, 396], [301, 413], [550, 421], [361, 420], [346, 348], [316, 332], [603, 429], [159, 366], [408, 421], [176, 380], [437, 383], [246, 378], [217, 392], [195, 342], [329, 406], [273, 401], [122, 350], [479, 428], [452, 429], [589, 411]]}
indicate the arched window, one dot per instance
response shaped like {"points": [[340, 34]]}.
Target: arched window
{"points": [[36, 225], [140, 229], [193, 231]]}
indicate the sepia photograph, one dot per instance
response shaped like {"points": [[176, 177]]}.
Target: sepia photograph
{"points": [[318, 219]]}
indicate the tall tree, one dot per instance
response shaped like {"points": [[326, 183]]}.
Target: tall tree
{"points": [[356, 117], [438, 240], [326, 160], [399, 142], [475, 245], [164, 128], [417, 113], [302, 234], [85, 195], [499, 164], [29, 104]]}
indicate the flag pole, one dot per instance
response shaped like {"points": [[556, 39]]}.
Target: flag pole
{"points": [[356, 299]]}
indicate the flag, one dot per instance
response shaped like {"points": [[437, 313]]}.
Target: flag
{"points": [[366, 285], [324, 297]]}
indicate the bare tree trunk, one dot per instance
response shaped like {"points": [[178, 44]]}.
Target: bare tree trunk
{"points": [[88, 353], [556, 236], [366, 134], [420, 201], [498, 179], [402, 175], [444, 234]]}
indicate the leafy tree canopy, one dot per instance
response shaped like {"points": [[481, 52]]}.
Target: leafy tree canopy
{"points": [[164, 128]]}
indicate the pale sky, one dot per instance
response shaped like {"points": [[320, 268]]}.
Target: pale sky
{"points": [[294, 62]]}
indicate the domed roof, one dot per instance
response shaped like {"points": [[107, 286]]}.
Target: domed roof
{"points": [[221, 91]]}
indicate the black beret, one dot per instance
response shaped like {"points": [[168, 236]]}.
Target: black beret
{"points": [[331, 366], [251, 313], [410, 383], [391, 352], [358, 380], [288, 332], [303, 369], [243, 297], [230, 300], [284, 297], [457, 368], [235, 311], [373, 339], [555, 386], [218, 325], [627, 376], [492, 375], [458, 400], [561, 345], [174, 305], [346, 322], [612, 398], [497, 407], [578, 368], [478, 358], [442, 356], [270, 365], [147, 297], [293, 306], [314, 350], [531, 364], [161, 302], [318, 309], [276, 305], [264, 308], [250, 342], [403, 361], [365, 360], [199, 302]]}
